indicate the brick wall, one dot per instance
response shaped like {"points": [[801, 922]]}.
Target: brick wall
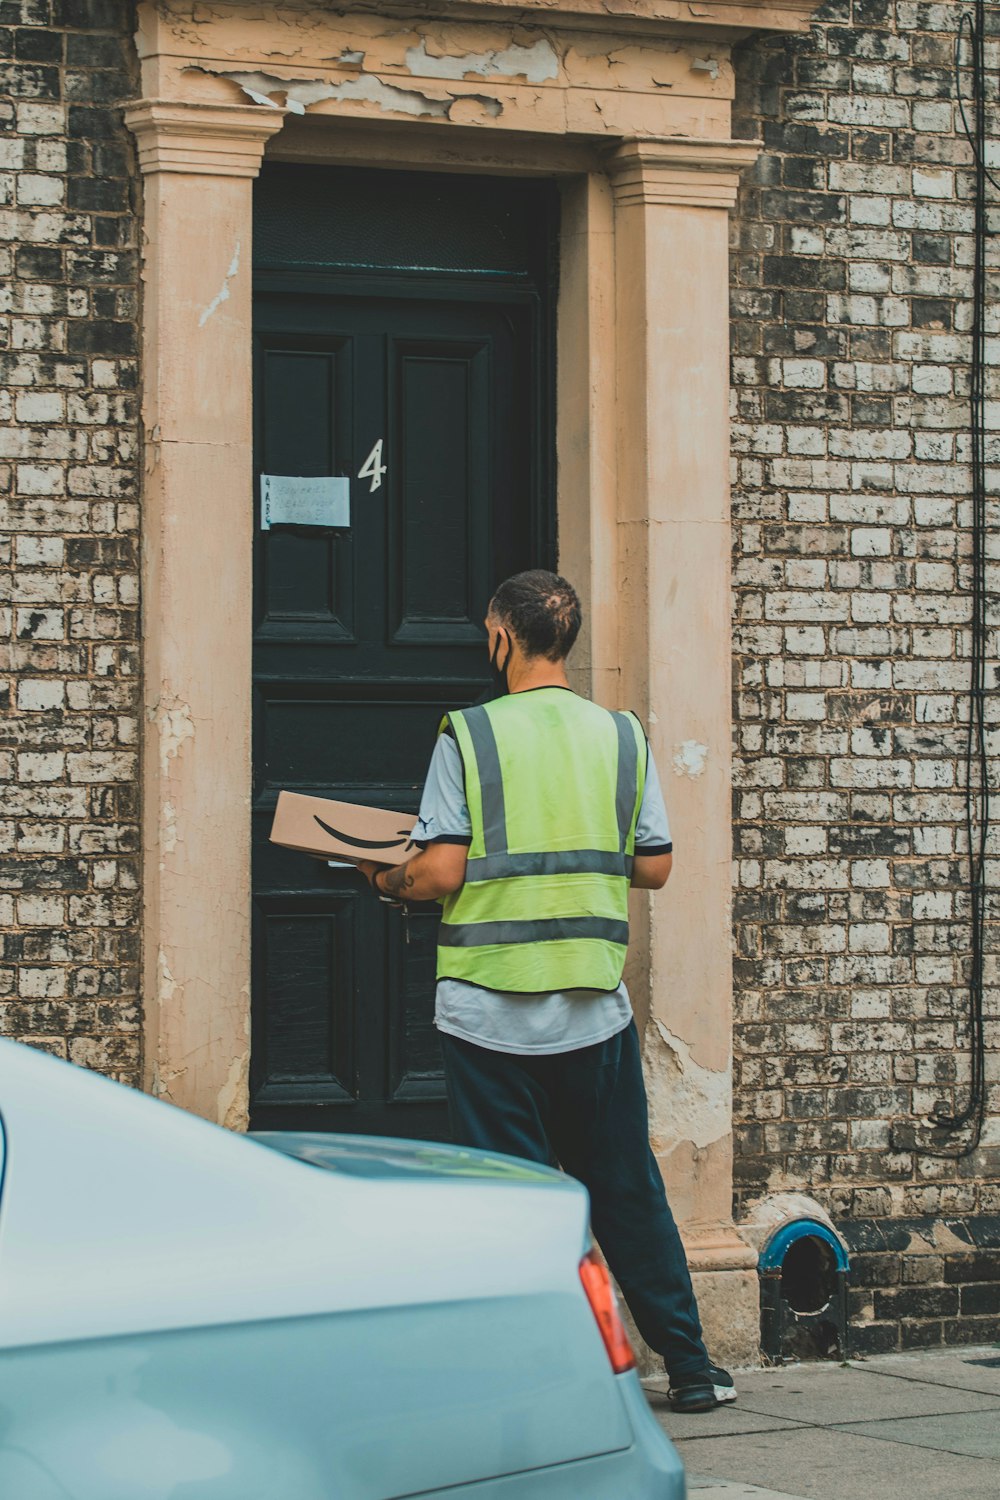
{"points": [[851, 300], [68, 534]]}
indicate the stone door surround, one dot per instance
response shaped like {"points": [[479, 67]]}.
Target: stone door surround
{"points": [[629, 106]]}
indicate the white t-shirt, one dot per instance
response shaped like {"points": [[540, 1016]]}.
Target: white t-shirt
{"points": [[501, 1020]]}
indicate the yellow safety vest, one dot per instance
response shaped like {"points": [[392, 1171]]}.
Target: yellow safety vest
{"points": [[553, 785]]}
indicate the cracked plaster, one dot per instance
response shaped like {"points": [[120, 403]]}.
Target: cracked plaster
{"points": [[222, 295], [692, 1103], [174, 723]]}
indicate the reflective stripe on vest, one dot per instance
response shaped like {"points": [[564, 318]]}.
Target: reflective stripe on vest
{"points": [[534, 916]]}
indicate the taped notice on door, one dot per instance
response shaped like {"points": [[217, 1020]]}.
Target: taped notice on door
{"points": [[289, 500]]}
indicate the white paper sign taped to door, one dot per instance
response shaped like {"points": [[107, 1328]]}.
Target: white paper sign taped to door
{"points": [[289, 500]]}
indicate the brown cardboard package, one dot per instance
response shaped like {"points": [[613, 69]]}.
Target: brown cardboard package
{"points": [[342, 830]]}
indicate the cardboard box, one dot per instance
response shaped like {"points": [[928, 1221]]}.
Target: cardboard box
{"points": [[342, 830]]}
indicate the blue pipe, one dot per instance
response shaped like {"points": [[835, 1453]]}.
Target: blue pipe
{"points": [[772, 1256]]}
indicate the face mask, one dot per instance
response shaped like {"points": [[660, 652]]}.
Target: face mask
{"points": [[498, 672]]}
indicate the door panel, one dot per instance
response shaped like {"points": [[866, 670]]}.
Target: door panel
{"points": [[439, 542], [365, 636]]}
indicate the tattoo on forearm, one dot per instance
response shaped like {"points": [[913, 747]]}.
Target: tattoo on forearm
{"points": [[398, 881]]}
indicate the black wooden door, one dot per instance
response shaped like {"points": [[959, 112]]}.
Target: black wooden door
{"points": [[364, 636]]}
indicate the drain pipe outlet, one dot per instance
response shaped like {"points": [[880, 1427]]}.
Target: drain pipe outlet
{"points": [[804, 1271]]}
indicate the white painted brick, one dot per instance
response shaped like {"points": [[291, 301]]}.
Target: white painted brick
{"points": [[40, 406], [40, 119], [41, 693], [34, 188], [933, 182]]}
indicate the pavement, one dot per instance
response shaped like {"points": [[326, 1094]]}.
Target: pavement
{"points": [[924, 1425]]}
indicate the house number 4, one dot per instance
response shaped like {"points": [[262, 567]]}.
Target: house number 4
{"points": [[373, 468]]}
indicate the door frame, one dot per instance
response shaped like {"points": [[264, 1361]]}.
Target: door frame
{"points": [[498, 293], [649, 176]]}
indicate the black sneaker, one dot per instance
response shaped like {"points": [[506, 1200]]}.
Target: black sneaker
{"points": [[702, 1390]]}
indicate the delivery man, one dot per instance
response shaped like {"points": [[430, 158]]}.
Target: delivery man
{"points": [[539, 811]]}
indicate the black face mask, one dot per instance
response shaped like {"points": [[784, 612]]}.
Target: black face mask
{"points": [[498, 672]]}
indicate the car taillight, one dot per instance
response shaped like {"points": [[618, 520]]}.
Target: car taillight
{"points": [[601, 1296]]}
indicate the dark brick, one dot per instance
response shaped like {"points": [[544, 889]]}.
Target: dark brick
{"points": [[107, 195], [114, 232], [979, 1298], [44, 874], [871, 145], [805, 406], [823, 343], [870, 12], [91, 123], [805, 306], [920, 1334], [39, 263], [33, 45], [972, 1331], [803, 172], [872, 411], [916, 1302], [101, 337], [94, 51], [984, 1231], [91, 15], [932, 312], [932, 249], [982, 1266], [872, 1338], [113, 159], [29, 81], [24, 12], [111, 266], [871, 1270], [94, 86], [805, 208]]}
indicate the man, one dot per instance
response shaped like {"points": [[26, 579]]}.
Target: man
{"points": [[539, 811]]}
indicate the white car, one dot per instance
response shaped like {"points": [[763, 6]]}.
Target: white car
{"points": [[188, 1314]]}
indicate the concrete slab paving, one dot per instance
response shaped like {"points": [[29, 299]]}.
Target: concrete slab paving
{"points": [[851, 1394], [727, 1420], [975, 1434], [898, 1426], [732, 1489], [976, 1368], [822, 1463]]}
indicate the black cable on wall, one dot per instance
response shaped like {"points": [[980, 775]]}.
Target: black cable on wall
{"points": [[977, 786]]}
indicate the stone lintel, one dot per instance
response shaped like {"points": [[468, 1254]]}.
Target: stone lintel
{"points": [[702, 174], [214, 140], [732, 19]]}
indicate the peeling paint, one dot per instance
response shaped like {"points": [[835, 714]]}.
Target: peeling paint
{"points": [[175, 724], [467, 108], [222, 295], [709, 65], [231, 1107], [689, 759], [687, 1102], [301, 92], [260, 98], [535, 64], [168, 829]]}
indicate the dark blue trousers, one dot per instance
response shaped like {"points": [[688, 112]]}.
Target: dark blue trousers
{"points": [[586, 1110]]}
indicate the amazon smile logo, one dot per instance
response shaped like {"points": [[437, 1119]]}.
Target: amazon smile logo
{"points": [[345, 838]]}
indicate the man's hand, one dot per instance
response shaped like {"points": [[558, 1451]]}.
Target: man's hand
{"points": [[435, 872]]}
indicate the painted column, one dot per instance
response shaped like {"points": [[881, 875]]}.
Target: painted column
{"points": [[198, 163], [672, 283]]}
